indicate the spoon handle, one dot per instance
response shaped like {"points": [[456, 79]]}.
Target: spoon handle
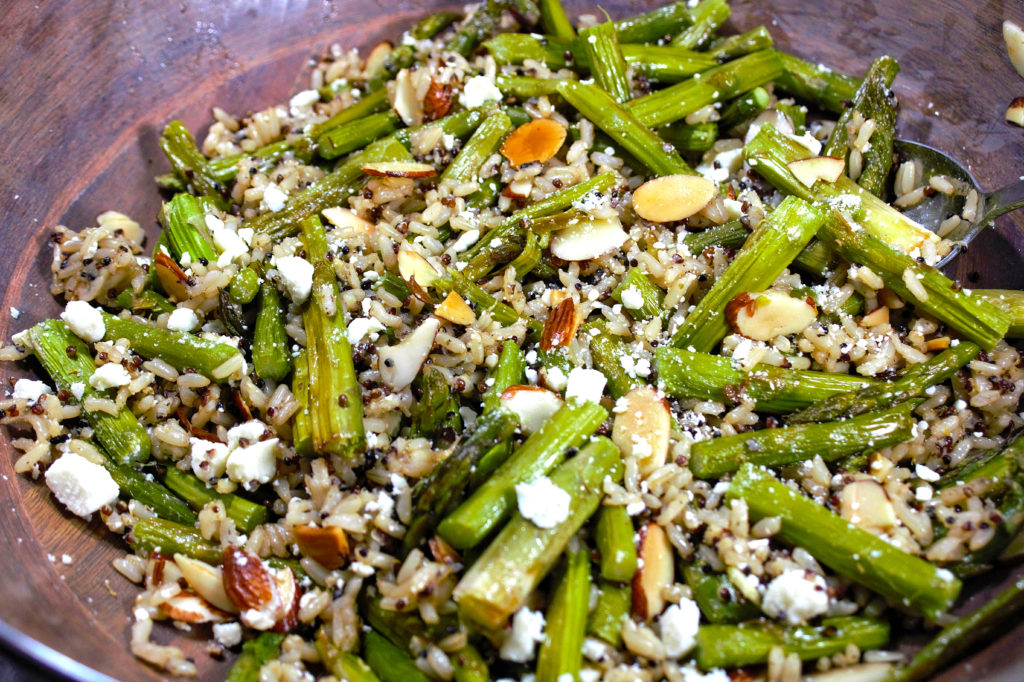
{"points": [[1003, 200]]}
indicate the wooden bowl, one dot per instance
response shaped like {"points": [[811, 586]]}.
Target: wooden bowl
{"points": [[86, 88]]}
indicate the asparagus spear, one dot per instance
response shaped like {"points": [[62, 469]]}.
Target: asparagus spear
{"points": [[344, 665], [485, 141], [138, 486], [401, 627], [707, 18], [910, 384], [264, 648], [246, 515], [388, 661], [664, 63], [515, 562], [181, 350], [729, 646], [475, 28], [614, 538], [470, 665], [440, 492], [718, 600], [508, 372], [302, 422], [961, 637], [335, 401], [623, 127], [495, 500], [438, 406], [816, 83], [843, 547], [654, 25], [769, 249], [1010, 302], [637, 281], [555, 21], [607, 354], [788, 445], [744, 108], [613, 604], [270, 356], [356, 134], [146, 300], [68, 361], [731, 47], [371, 103], [188, 162], [183, 220], [685, 374], [170, 538], [698, 137], [484, 302], [731, 235], [607, 64], [244, 286], [561, 653]]}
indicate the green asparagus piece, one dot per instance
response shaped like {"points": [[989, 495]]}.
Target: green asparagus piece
{"points": [[614, 602], [767, 252], [731, 47], [188, 162], [484, 302], [335, 400], [485, 141], [388, 661], [729, 646], [714, 85], [302, 422], [874, 101], [264, 648], [469, 665], [440, 492], [344, 665], [719, 601], [371, 103], [654, 25], [966, 634], [614, 537], [225, 169], [394, 285], [530, 257], [848, 550], [519, 557], [791, 444], [624, 128], [555, 21], [437, 407], [666, 64], [246, 515], [911, 384], [707, 18], [1010, 302], [183, 219], [357, 134], [476, 27], [797, 113], [637, 281], [731, 235], [525, 87], [170, 538], [607, 64], [494, 501], [744, 108], [508, 372], [68, 361], [146, 300], [244, 286], [270, 355], [561, 652], [138, 486], [181, 350], [816, 83], [607, 353], [699, 137], [685, 374]]}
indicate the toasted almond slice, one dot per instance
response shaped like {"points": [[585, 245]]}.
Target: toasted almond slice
{"points": [[326, 546], [763, 316], [206, 580], [588, 239], [865, 504], [172, 278], [1015, 112], [404, 99], [438, 100], [1014, 37], [642, 426], [160, 571], [346, 217], [876, 317], [291, 597], [538, 140], [411, 265], [672, 197], [656, 572], [190, 608], [377, 58], [399, 364], [399, 169], [518, 190], [560, 327], [814, 168], [455, 309], [941, 343], [442, 551], [532, 404], [248, 582]]}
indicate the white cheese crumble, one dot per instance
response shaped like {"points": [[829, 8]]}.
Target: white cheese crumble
{"points": [[80, 485], [303, 99], [796, 596], [477, 91], [274, 198], [296, 277], [182, 320], [15, 313], [520, 642], [361, 327], [678, 625], [30, 390], [110, 375], [923, 493], [85, 321], [257, 462], [542, 502], [925, 474], [632, 298], [227, 634], [465, 240], [694, 675], [208, 458], [78, 389], [230, 244], [555, 378], [585, 384]]}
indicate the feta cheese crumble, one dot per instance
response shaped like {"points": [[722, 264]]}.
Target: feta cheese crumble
{"points": [[182, 320], [925, 474], [274, 198], [585, 384], [80, 485], [796, 596], [632, 298], [110, 375], [296, 277], [678, 626], [542, 502], [520, 642], [30, 390], [85, 321], [477, 91]]}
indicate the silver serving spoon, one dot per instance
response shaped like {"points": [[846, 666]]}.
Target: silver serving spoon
{"points": [[932, 210]]}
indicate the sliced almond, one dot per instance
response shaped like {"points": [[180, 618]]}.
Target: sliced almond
{"points": [[172, 278], [814, 168], [442, 551], [765, 315], [642, 427], [347, 218], [1013, 34], [656, 572], [1015, 112], [291, 598], [326, 546], [405, 100], [538, 140], [411, 265], [865, 504], [672, 197], [399, 364], [940, 343], [876, 317], [560, 327], [160, 571], [248, 582], [399, 169], [438, 100], [376, 59], [455, 309], [532, 404], [588, 239], [190, 608], [206, 580], [518, 189]]}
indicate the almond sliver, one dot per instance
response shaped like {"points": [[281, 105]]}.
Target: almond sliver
{"points": [[538, 140], [399, 169], [455, 309], [672, 197]]}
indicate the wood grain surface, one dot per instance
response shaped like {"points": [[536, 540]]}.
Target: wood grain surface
{"points": [[86, 86]]}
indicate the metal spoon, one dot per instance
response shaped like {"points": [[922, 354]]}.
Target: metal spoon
{"points": [[932, 210]]}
